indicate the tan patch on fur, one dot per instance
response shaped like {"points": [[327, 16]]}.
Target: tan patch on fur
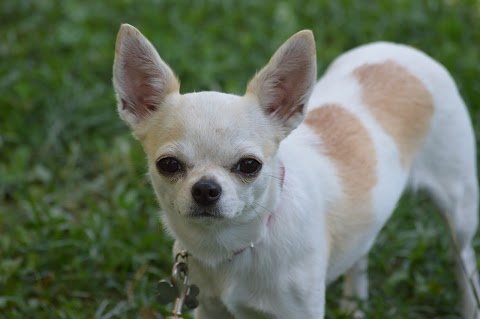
{"points": [[399, 101], [348, 144]]}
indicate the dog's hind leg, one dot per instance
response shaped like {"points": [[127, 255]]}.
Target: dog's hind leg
{"points": [[457, 197], [463, 220], [355, 288], [446, 168], [462, 216]]}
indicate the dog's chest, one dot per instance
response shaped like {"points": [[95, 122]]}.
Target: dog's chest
{"points": [[258, 283], [244, 283]]}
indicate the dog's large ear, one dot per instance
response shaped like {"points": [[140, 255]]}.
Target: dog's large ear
{"points": [[284, 85], [140, 78]]}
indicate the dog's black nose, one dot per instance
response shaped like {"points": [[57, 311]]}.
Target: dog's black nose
{"points": [[206, 192]]}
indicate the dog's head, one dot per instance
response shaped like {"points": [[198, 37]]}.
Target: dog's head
{"points": [[211, 155]]}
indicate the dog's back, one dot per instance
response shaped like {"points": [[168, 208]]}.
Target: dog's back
{"points": [[389, 117]]}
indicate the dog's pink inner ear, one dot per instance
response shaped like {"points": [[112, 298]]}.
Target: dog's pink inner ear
{"points": [[284, 85], [287, 97], [144, 81], [140, 77], [143, 90]]}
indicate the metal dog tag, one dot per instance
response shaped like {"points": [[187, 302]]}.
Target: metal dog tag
{"points": [[191, 301], [166, 292], [178, 290]]}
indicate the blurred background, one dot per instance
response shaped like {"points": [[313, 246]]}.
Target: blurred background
{"points": [[79, 230]]}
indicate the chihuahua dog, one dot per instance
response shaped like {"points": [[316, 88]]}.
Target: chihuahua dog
{"points": [[276, 193]]}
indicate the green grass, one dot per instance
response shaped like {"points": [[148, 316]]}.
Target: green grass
{"points": [[79, 229]]}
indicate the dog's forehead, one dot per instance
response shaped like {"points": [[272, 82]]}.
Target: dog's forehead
{"points": [[214, 110], [211, 125]]}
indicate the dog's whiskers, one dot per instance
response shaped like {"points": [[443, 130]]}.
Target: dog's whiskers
{"points": [[256, 212], [277, 216], [274, 176]]}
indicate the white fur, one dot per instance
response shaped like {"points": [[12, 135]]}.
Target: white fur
{"points": [[286, 274]]}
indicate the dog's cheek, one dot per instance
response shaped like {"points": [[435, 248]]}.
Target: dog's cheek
{"points": [[258, 191], [247, 197], [231, 203], [183, 201], [167, 193]]}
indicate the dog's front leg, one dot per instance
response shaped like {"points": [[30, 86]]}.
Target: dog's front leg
{"points": [[355, 288], [210, 308]]}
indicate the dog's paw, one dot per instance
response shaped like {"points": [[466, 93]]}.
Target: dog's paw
{"points": [[352, 308]]}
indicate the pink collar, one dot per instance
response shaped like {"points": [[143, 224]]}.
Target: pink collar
{"points": [[252, 244], [282, 175]]}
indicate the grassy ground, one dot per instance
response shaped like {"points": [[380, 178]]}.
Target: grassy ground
{"points": [[79, 233]]}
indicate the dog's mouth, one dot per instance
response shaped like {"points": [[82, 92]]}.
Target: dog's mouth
{"points": [[204, 215]]}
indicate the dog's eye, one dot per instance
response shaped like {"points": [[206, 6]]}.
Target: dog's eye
{"points": [[248, 166], [168, 165]]}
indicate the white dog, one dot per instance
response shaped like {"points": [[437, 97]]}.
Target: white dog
{"points": [[278, 192]]}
